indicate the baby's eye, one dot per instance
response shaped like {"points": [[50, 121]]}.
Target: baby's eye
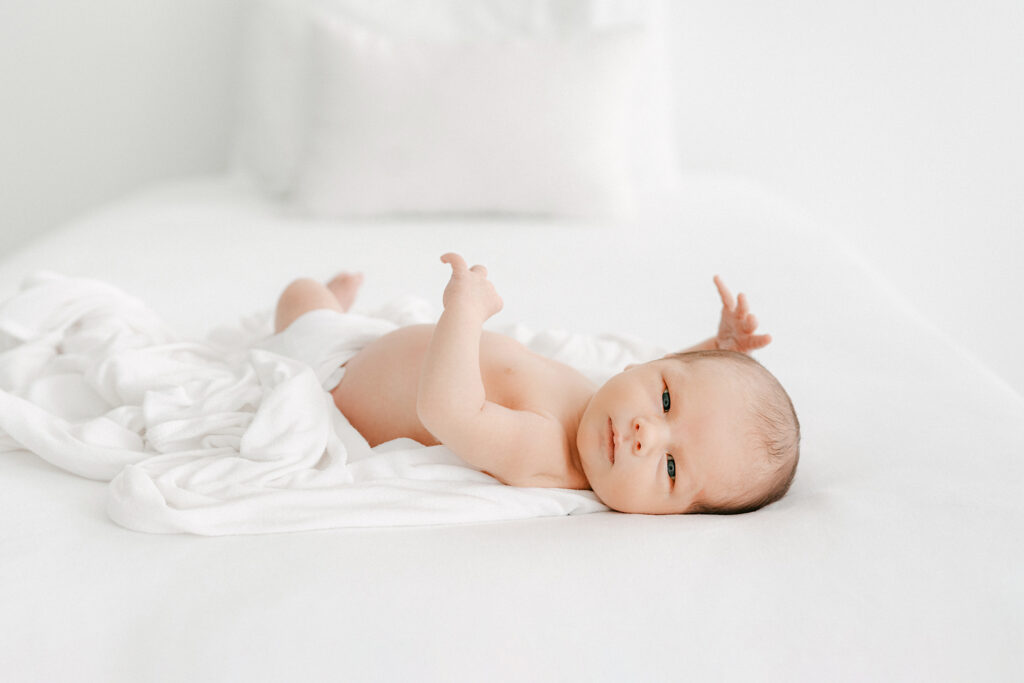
{"points": [[671, 467], [666, 400]]}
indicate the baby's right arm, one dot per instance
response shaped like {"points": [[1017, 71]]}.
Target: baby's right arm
{"points": [[510, 445]]}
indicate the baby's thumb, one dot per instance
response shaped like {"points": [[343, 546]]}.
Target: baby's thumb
{"points": [[454, 260]]}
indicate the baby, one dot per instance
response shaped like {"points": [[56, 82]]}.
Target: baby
{"points": [[704, 430]]}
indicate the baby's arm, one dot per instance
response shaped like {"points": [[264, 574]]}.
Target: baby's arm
{"points": [[737, 326], [451, 400], [450, 381]]}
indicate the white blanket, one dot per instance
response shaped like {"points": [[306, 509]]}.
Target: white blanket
{"points": [[217, 437]]}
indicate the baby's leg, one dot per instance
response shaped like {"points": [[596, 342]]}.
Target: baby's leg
{"points": [[306, 295], [344, 287]]}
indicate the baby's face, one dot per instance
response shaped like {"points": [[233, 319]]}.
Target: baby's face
{"points": [[661, 436]]}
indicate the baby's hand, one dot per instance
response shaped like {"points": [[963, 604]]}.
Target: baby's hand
{"points": [[736, 330], [470, 289]]}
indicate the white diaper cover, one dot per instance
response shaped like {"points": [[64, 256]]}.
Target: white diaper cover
{"points": [[325, 339]]}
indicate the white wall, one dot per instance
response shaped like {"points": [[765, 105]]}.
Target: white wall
{"points": [[897, 123], [98, 98]]}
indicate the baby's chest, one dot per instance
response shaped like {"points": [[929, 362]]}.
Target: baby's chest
{"points": [[518, 379]]}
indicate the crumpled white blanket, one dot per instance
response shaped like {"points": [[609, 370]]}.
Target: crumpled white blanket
{"points": [[217, 437]]}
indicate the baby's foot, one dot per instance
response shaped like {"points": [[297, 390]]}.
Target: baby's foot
{"points": [[344, 287]]}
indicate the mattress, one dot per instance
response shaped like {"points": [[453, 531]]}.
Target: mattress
{"points": [[895, 555]]}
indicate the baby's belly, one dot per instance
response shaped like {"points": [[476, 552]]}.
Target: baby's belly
{"points": [[378, 391]]}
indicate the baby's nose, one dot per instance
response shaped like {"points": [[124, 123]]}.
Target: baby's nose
{"points": [[645, 436]]}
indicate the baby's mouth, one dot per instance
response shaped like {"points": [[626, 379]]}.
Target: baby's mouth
{"points": [[611, 442]]}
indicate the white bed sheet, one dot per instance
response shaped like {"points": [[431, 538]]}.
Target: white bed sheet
{"points": [[895, 556]]}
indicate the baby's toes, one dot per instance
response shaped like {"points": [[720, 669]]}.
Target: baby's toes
{"points": [[344, 287], [346, 281]]}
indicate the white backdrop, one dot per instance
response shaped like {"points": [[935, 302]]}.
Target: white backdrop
{"points": [[99, 98], [895, 123]]}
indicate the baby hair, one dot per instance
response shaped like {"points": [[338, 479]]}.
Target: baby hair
{"points": [[775, 431]]}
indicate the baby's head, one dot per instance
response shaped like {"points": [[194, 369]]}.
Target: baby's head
{"points": [[699, 431]]}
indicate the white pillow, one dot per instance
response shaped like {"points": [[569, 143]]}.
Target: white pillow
{"points": [[276, 67], [408, 125]]}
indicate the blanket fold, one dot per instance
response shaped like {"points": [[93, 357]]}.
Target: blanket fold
{"points": [[220, 437]]}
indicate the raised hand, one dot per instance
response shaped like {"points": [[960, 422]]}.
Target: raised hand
{"points": [[469, 289], [738, 324]]}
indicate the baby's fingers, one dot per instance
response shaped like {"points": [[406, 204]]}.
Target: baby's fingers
{"points": [[724, 292], [454, 260], [749, 323], [482, 270], [742, 305], [760, 341]]}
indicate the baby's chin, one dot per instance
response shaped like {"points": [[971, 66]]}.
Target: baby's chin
{"points": [[593, 473]]}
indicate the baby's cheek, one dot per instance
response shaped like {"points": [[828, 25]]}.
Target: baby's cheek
{"points": [[624, 498]]}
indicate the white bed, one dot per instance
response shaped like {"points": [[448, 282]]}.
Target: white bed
{"points": [[895, 555]]}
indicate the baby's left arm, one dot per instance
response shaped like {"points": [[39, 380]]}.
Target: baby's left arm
{"points": [[511, 445], [737, 326]]}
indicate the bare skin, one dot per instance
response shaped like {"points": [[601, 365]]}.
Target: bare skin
{"points": [[379, 391], [517, 415]]}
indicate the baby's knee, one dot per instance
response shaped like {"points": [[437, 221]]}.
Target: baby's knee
{"points": [[302, 295], [299, 289]]}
